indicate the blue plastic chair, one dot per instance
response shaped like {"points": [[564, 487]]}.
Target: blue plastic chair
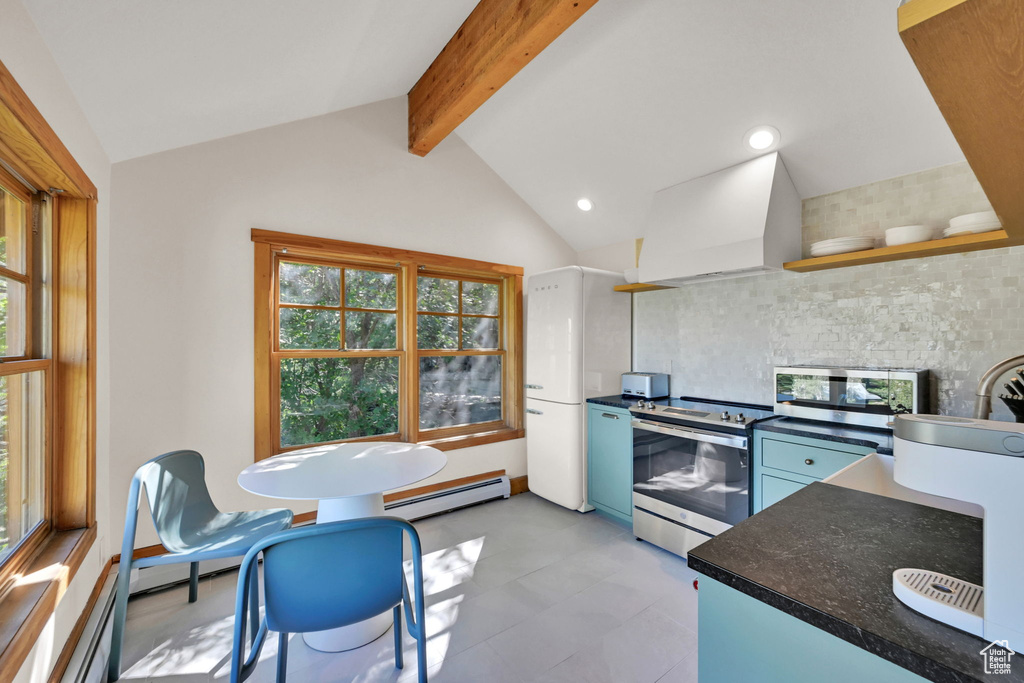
{"points": [[327, 576], [189, 526]]}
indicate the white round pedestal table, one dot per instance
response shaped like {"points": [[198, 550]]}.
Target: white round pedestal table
{"points": [[349, 480]]}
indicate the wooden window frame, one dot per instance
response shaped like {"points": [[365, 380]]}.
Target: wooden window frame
{"points": [[15, 187], [441, 434], [277, 354], [35, 576], [273, 247]]}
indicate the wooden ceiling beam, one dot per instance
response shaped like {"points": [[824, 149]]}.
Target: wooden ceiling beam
{"points": [[495, 42]]}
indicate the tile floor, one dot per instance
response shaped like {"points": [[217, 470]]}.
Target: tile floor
{"points": [[517, 590]]}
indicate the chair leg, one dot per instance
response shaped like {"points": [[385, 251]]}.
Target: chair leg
{"points": [[124, 573], [421, 657], [282, 656], [254, 603], [397, 612], [193, 582]]}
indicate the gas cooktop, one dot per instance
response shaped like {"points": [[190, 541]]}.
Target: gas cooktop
{"points": [[688, 409]]}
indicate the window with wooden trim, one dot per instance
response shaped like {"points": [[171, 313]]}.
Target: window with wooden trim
{"points": [[24, 366], [47, 371], [357, 342]]}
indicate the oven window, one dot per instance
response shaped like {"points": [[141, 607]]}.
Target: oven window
{"points": [[709, 479]]}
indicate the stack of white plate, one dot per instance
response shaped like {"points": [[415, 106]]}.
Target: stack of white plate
{"points": [[841, 245], [983, 221]]}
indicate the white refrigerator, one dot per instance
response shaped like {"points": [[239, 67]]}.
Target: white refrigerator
{"points": [[577, 346]]}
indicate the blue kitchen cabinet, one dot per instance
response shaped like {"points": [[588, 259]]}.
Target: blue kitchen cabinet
{"points": [[610, 461], [742, 639], [785, 463]]}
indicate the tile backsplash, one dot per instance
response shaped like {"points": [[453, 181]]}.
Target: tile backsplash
{"points": [[955, 315], [929, 197]]}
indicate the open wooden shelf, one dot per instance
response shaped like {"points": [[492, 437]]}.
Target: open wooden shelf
{"points": [[948, 245], [971, 57], [638, 287]]}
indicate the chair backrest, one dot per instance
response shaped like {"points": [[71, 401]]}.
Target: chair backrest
{"points": [[175, 486], [334, 574]]}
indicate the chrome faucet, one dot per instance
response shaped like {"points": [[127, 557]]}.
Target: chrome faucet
{"points": [[983, 396]]}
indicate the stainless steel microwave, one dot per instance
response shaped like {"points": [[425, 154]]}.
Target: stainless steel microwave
{"points": [[861, 396]]}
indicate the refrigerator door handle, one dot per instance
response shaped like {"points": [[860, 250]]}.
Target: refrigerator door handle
{"points": [[534, 386], [534, 411]]}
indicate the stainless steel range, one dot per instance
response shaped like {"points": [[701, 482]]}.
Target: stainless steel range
{"points": [[691, 469]]}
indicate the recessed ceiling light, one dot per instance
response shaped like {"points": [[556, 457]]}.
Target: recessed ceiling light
{"points": [[585, 204], [762, 138]]}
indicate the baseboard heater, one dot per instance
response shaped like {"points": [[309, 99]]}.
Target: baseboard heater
{"points": [[417, 507], [88, 663], [446, 500]]}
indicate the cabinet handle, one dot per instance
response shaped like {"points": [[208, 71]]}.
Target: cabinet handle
{"points": [[532, 411], [808, 461], [534, 386], [614, 417]]}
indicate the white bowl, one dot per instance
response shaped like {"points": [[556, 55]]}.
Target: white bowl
{"points": [[908, 234]]}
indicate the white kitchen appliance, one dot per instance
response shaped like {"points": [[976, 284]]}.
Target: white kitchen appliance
{"points": [[980, 461], [577, 346], [645, 384]]}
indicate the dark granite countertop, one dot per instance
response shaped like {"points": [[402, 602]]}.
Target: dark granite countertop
{"points": [[624, 402], [879, 439], [826, 555]]}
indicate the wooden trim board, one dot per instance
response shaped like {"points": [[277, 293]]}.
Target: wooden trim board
{"points": [[519, 485], [389, 255], [74, 338], [28, 605], [37, 151], [919, 11]]}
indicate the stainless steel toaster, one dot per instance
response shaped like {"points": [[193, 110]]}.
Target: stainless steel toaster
{"points": [[645, 384]]}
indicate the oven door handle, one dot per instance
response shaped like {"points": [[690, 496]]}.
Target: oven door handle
{"points": [[687, 433]]}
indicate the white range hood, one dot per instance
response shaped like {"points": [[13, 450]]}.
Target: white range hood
{"points": [[740, 221]]}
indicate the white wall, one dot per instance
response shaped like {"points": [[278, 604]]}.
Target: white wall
{"points": [[616, 257], [25, 55], [182, 269]]}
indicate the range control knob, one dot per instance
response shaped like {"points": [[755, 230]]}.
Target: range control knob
{"points": [[739, 417], [725, 415]]}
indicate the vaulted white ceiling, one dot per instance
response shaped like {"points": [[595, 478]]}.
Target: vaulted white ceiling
{"points": [[640, 95], [636, 96], [153, 75]]}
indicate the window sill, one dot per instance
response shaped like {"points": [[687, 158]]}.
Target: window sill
{"points": [[452, 443], [35, 594]]}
